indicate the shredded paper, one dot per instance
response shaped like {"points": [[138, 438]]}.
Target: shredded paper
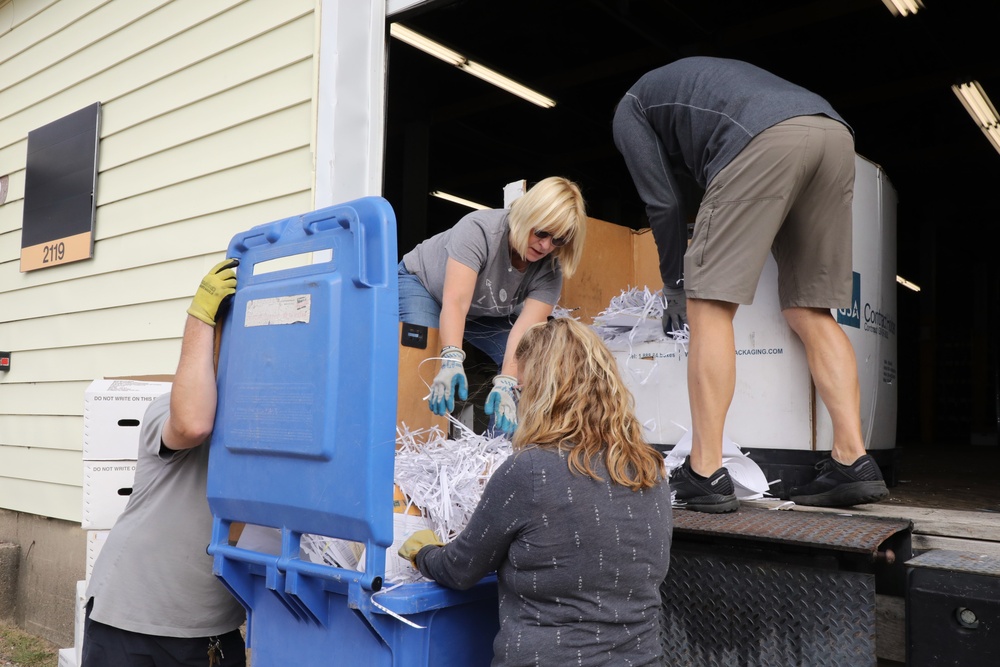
{"points": [[633, 317], [445, 477]]}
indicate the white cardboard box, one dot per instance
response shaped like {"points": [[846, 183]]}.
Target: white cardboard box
{"points": [[106, 489], [775, 405], [67, 657], [113, 411], [80, 618], [95, 541]]}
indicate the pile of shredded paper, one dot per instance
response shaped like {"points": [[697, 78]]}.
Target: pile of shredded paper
{"points": [[445, 477], [633, 317]]}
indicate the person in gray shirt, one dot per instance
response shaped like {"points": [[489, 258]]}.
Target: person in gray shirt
{"points": [[577, 522], [775, 163], [153, 599], [486, 280]]}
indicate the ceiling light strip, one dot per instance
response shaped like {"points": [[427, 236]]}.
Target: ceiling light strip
{"points": [[981, 109], [441, 52], [903, 7], [416, 40], [511, 86], [906, 283], [455, 199]]}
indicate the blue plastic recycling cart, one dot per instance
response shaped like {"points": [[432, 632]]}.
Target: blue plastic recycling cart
{"points": [[304, 442]]}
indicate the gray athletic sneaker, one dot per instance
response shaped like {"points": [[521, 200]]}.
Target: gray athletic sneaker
{"points": [[838, 485], [714, 494]]}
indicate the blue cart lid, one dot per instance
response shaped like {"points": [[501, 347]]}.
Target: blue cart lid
{"points": [[304, 438]]}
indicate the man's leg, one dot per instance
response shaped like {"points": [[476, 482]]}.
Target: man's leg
{"points": [[711, 379], [834, 371], [701, 483], [833, 366]]}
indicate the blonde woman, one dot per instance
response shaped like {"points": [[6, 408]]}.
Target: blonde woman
{"points": [[487, 279], [576, 523]]}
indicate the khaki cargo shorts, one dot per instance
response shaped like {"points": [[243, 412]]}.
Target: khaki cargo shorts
{"points": [[789, 192]]}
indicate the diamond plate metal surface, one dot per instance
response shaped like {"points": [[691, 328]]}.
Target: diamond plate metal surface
{"points": [[813, 529], [731, 611], [958, 561]]}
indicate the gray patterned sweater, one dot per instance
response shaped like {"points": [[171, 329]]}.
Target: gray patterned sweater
{"points": [[579, 563]]}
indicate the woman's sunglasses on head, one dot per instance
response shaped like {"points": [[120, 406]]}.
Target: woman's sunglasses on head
{"points": [[557, 241]]}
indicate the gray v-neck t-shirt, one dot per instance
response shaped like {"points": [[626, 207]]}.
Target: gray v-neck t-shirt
{"points": [[153, 575], [480, 241]]}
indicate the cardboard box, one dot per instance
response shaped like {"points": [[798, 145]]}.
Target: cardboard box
{"points": [[113, 410], [79, 621], [106, 489], [95, 541], [67, 657], [615, 258], [423, 344], [775, 405]]}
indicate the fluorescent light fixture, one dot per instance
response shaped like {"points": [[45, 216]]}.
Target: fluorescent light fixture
{"points": [[907, 284], [459, 200], [511, 86], [415, 39], [976, 102], [903, 7]]}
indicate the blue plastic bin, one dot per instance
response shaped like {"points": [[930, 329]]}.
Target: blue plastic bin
{"points": [[304, 442]]}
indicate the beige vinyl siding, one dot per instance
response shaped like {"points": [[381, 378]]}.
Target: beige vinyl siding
{"points": [[21, 402], [51, 433], [207, 130]]}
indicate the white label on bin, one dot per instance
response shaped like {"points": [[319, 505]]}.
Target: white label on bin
{"points": [[279, 310]]}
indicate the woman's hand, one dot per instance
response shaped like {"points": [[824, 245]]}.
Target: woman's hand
{"points": [[502, 403], [417, 541], [449, 380]]}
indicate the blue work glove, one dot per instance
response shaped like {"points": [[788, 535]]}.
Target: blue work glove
{"points": [[502, 404], [450, 378], [675, 310]]}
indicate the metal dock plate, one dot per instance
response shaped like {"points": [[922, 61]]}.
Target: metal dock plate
{"points": [[764, 587], [855, 534], [958, 561]]}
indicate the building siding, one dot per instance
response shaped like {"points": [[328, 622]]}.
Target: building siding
{"points": [[207, 129]]}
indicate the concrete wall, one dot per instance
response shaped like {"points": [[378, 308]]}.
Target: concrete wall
{"points": [[52, 558]]}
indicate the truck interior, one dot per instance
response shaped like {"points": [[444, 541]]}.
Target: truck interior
{"points": [[891, 78]]}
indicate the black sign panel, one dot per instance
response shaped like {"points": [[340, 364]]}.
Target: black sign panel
{"points": [[59, 185]]}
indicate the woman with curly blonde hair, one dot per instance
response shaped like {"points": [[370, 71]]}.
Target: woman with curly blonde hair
{"points": [[576, 523]]}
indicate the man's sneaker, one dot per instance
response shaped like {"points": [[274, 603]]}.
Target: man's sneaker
{"points": [[714, 494], [837, 485]]}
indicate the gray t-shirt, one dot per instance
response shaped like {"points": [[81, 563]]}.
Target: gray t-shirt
{"points": [[153, 574], [480, 241], [579, 563], [688, 120]]}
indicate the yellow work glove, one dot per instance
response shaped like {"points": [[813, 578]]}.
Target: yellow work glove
{"points": [[417, 541], [217, 284]]}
